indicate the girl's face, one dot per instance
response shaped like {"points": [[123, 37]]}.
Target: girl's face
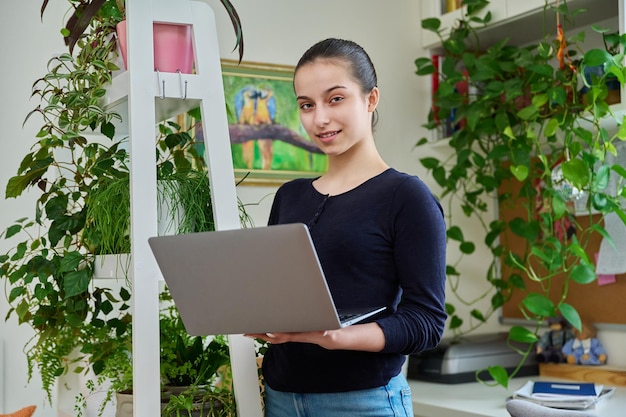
{"points": [[333, 109]]}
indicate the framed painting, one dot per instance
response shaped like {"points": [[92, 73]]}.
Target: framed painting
{"points": [[268, 142]]}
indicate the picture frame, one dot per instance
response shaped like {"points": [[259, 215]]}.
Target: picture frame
{"points": [[268, 142]]}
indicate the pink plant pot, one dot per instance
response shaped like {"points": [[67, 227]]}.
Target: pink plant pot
{"points": [[173, 47]]}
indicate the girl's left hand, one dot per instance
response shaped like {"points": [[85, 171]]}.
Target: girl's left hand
{"points": [[322, 338], [367, 337]]}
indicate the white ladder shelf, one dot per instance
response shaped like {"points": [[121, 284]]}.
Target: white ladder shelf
{"points": [[141, 89]]}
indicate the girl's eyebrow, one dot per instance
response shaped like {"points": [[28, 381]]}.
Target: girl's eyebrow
{"points": [[329, 90]]}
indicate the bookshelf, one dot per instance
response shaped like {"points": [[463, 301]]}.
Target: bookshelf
{"points": [[522, 23]]}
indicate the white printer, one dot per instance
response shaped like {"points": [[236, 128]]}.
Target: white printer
{"points": [[456, 361]]}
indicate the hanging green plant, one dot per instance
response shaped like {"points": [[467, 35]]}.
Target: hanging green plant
{"points": [[520, 135]]}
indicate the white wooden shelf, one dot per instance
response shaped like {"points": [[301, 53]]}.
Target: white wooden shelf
{"points": [[523, 22], [173, 94], [139, 97], [520, 20]]}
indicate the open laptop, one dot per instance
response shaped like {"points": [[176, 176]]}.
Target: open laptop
{"points": [[255, 280]]}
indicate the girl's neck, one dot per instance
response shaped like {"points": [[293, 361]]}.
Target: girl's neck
{"points": [[347, 171]]}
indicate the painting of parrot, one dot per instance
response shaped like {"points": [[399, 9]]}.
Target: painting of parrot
{"points": [[267, 140], [256, 105]]}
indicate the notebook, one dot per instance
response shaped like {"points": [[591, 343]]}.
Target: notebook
{"points": [[254, 280]]}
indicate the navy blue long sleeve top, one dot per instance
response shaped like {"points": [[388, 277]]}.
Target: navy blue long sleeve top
{"points": [[381, 243]]}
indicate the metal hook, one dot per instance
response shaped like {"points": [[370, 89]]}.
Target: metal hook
{"points": [[183, 90], [161, 84]]}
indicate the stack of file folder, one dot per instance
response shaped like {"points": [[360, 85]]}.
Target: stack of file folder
{"points": [[566, 395]]}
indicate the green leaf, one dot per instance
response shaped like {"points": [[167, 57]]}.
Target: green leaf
{"points": [[497, 300], [508, 132], [450, 271], [570, 314], [477, 314], [502, 121], [500, 375], [621, 171], [473, 117], [429, 163], [467, 248], [439, 175], [528, 113], [455, 322], [522, 334], [71, 261], [424, 66], [599, 201], [16, 292], [13, 230], [455, 233], [596, 57], [540, 100], [108, 130], [20, 250], [23, 311], [520, 172], [577, 250], [551, 127], [15, 186], [621, 133], [577, 172], [527, 230], [76, 282], [601, 180], [197, 114], [56, 233], [583, 274], [124, 294], [539, 305], [450, 309], [517, 281], [106, 307], [559, 207], [433, 24]]}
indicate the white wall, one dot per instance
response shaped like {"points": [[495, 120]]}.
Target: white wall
{"points": [[26, 47], [278, 34], [274, 34]]}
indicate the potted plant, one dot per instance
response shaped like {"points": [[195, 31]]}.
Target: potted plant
{"points": [[191, 367], [103, 338], [48, 273], [86, 12], [194, 371], [522, 137], [78, 326]]}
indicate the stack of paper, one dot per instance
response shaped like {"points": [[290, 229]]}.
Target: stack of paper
{"points": [[568, 395]]}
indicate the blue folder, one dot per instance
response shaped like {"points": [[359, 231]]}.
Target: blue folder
{"points": [[564, 388]]}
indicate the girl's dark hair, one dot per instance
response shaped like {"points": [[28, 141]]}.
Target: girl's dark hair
{"points": [[360, 65]]}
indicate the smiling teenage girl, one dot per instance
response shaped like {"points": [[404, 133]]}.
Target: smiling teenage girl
{"points": [[380, 237]]}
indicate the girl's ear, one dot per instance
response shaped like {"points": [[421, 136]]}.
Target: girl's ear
{"points": [[372, 99]]}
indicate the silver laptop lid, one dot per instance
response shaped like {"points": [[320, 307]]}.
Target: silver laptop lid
{"points": [[256, 280]]}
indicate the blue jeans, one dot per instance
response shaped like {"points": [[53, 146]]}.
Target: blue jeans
{"points": [[391, 400]]}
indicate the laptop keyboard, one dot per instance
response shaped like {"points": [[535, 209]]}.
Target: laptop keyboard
{"points": [[347, 316]]}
